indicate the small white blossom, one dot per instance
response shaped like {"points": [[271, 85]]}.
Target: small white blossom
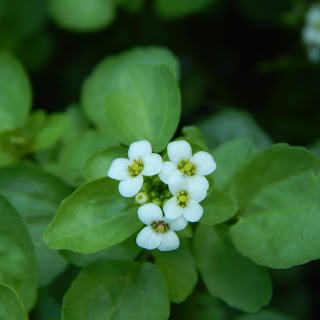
{"points": [[311, 33], [185, 200], [142, 162], [183, 164], [159, 232]]}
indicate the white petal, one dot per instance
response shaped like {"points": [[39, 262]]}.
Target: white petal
{"points": [[149, 213], [199, 180], [130, 187], [169, 172], [179, 150], [176, 224], [197, 189], [177, 185], [204, 162], [193, 211], [170, 241], [171, 209], [119, 169], [152, 164], [148, 239], [139, 149]]}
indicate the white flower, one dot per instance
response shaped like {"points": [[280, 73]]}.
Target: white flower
{"points": [[142, 162], [183, 164], [311, 33], [159, 232], [185, 200]]}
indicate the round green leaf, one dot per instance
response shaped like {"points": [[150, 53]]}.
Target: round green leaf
{"points": [[18, 266], [11, 307], [117, 290], [93, 218], [15, 93], [218, 207], [230, 124], [145, 106], [97, 166], [268, 167], [179, 270], [104, 78], [36, 195], [280, 228], [228, 275], [82, 15], [230, 157]]}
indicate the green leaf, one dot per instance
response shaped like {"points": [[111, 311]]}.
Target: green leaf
{"points": [[82, 15], [75, 152], [126, 250], [194, 136], [180, 8], [15, 93], [11, 307], [268, 167], [18, 266], [230, 124], [264, 315], [117, 290], [93, 218], [230, 157], [179, 270], [104, 78], [144, 106], [53, 129], [97, 166], [278, 197], [36, 195], [284, 219], [131, 6], [218, 207], [228, 275]]}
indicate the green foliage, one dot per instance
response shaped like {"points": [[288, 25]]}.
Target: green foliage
{"points": [[230, 124], [144, 106], [126, 250], [105, 76], [97, 166], [230, 157], [119, 290], [93, 218], [18, 266], [218, 207], [11, 307], [278, 200], [82, 16], [36, 195], [179, 270], [227, 274], [15, 93], [74, 154], [180, 8]]}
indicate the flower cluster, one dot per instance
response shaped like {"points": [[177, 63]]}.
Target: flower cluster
{"points": [[169, 192], [311, 33]]}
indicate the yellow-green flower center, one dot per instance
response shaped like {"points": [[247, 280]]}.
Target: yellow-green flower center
{"points": [[160, 226], [182, 198], [136, 168], [186, 167]]}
